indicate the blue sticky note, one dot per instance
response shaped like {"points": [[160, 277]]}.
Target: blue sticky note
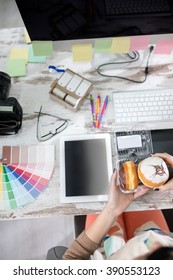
{"points": [[35, 59]]}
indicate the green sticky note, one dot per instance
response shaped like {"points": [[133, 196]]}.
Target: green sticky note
{"points": [[103, 46], [35, 59], [16, 67], [42, 48]]}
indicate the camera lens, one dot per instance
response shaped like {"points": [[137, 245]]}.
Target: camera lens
{"points": [[5, 83]]}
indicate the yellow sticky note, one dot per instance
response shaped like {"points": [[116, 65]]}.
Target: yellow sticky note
{"points": [[27, 37], [120, 45], [82, 52], [19, 53]]}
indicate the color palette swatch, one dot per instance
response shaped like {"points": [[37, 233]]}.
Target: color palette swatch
{"points": [[25, 171]]}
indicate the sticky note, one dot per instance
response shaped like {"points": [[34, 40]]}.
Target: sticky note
{"points": [[27, 37], [82, 52], [163, 46], [35, 59], [120, 45], [19, 53], [16, 67], [42, 48], [139, 43], [102, 46]]}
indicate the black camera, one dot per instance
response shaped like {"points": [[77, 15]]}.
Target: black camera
{"points": [[11, 112]]}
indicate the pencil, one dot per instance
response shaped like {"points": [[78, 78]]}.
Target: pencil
{"points": [[93, 110], [98, 109], [103, 110]]}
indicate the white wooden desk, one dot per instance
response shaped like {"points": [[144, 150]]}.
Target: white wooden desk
{"points": [[32, 91]]}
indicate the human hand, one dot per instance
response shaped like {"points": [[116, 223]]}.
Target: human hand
{"points": [[169, 161], [166, 157], [119, 201]]}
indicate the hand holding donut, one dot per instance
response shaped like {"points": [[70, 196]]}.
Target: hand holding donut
{"points": [[119, 201], [169, 161], [152, 172]]}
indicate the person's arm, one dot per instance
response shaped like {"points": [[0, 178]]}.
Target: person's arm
{"points": [[91, 238], [169, 161], [117, 203]]}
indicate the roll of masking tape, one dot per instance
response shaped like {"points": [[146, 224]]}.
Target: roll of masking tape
{"points": [[59, 93], [71, 100]]}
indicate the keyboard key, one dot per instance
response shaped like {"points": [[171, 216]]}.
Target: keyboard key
{"points": [[149, 118]]}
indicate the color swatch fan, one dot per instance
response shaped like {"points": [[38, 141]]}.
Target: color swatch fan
{"points": [[24, 173]]}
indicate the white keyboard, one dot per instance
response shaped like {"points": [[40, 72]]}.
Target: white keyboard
{"points": [[143, 106]]}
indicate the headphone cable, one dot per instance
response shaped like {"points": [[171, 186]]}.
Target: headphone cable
{"points": [[135, 59]]}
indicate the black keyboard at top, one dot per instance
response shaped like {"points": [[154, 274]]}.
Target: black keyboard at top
{"points": [[136, 7]]}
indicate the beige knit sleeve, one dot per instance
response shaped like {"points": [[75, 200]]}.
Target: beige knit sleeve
{"points": [[81, 248]]}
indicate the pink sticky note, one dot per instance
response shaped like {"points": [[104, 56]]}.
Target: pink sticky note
{"points": [[163, 46], [139, 42]]}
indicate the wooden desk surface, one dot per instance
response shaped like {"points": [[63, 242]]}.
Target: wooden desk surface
{"points": [[32, 92]]}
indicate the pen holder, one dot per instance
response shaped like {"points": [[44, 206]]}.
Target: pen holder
{"points": [[70, 89]]}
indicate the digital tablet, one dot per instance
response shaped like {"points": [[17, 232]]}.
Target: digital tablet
{"points": [[85, 167]]}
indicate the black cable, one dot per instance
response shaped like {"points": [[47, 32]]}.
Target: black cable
{"points": [[123, 62]]}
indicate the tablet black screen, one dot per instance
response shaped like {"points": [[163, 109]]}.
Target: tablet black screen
{"points": [[86, 170]]}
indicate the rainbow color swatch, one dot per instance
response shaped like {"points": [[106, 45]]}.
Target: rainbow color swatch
{"points": [[25, 171]]}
